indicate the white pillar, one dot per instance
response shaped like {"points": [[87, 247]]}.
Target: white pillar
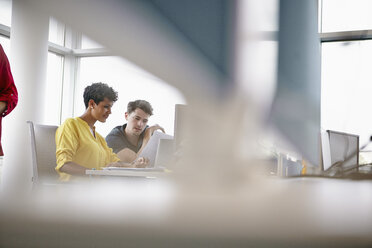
{"points": [[28, 59]]}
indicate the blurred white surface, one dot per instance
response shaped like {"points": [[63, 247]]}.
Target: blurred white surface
{"points": [[299, 212]]}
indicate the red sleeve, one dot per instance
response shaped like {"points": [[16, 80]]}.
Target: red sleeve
{"points": [[8, 90]]}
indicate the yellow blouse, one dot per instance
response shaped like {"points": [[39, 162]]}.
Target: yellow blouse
{"points": [[76, 143]]}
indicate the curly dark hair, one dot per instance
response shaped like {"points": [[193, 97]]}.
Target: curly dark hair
{"points": [[141, 104], [97, 92]]}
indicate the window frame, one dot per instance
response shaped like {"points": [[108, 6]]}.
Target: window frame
{"points": [[352, 35], [71, 53], [340, 36]]}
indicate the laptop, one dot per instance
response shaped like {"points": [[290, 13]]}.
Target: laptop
{"points": [[151, 150], [161, 147], [158, 150], [165, 153]]}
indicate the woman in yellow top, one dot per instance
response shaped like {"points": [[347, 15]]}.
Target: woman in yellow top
{"points": [[79, 146]]}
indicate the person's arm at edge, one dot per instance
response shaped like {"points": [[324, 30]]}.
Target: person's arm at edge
{"points": [[3, 107], [8, 93]]}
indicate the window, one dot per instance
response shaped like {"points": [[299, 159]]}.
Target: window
{"points": [[55, 73], [56, 32], [5, 12], [5, 20], [346, 15], [346, 67], [53, 96], [5, 43], [70, 69], [257, 46], [55, 65]]}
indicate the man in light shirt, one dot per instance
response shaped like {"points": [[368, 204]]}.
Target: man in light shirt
{"points": [[128, 140]]}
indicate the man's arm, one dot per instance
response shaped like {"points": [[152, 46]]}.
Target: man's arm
{"points": [[127, 155], [148, 133]]}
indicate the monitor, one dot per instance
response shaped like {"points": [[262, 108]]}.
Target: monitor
{"points": [[344, 150]]}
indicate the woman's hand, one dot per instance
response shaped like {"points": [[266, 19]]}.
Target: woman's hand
{"points": [[140, 162]]}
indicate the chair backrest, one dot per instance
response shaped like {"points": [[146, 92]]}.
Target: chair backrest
{"points": [[43, 149]]}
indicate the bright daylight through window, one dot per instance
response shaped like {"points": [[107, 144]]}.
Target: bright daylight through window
{"points": [[346, 63], [132, 83], [129, 80]]}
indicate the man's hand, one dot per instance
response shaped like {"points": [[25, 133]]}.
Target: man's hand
{"points": [[150, 130]]}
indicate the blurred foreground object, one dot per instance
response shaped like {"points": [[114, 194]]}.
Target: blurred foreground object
{"points": [[296, 106]]}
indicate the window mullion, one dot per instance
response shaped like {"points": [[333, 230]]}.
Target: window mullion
{"points": [[346, 36], [72, 41]]}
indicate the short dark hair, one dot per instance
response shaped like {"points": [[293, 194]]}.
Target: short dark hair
{"points": [[97, 92], [141, 104]]}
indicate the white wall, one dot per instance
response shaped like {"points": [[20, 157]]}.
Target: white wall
{"points": [[29, 47]]}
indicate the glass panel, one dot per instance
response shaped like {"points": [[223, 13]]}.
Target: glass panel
{"points": [[131, 83], [347, 87], [5, 12], [346, 15], [53, 93], [87, 43], [257, 48], [257, 71], [56, 32]]}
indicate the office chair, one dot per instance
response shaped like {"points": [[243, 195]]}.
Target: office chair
{"points": [[43, 149]]}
